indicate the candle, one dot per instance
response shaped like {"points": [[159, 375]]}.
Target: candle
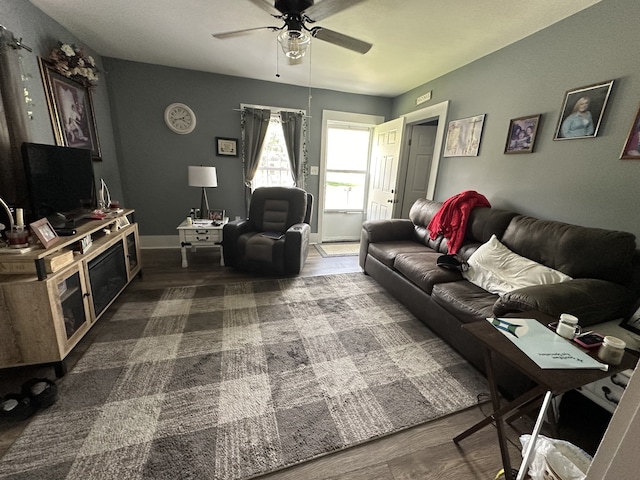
{"points": [[19, 217]]}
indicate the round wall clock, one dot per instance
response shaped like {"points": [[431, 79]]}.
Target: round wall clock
{"points": [[180, 118]]}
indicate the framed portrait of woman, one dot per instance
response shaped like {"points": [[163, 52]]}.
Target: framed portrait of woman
{"points": [[582, 111], [71, 111], [631, 150]]}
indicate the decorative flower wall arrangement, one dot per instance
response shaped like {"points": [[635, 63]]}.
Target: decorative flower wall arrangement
{"points": [[72, 62]]}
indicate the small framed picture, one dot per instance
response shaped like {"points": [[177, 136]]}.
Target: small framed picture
{"points": [[582, 111], [463, 137], [216, 215], [631, 150], [522, 134], [45, 232], [633, 322], [227, 147], [122, 222]]}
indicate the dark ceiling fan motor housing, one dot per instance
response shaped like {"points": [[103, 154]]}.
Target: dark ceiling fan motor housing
{"points": [[293, 6]]}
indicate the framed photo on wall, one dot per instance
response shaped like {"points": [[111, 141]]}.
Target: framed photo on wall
{"points": [[522, 134], [463, 137], [71, 111], [582, 111], [227, 146], [631, 150]]}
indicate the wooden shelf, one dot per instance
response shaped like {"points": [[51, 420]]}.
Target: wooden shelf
{"points": [[33, 307]]}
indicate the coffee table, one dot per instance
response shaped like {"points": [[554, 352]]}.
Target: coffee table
{"points": [[548, 383]]}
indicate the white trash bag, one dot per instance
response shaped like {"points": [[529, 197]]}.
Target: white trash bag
{"points": [[556, 459]]}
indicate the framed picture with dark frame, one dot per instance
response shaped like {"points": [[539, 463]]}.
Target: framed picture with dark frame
{"points": [[216, 215], [463, 137], [227, 147], [633, 322], [71, 110], [522, 134], [45, 232], [582, 111], [631, 150]]}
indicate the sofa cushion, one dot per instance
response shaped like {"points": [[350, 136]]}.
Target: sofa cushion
{"points": [[464, 300], [591, 300], [422, 270], [580, 252], [386, 252], [498, 270]]}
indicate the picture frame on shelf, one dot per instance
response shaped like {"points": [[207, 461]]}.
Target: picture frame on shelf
{"points": [[582, 111], [464, 136], [216, 215], [631, 150], [522, 132], [227, 147], [632, 323], [45, 232], [122, 222], [71, 110]]}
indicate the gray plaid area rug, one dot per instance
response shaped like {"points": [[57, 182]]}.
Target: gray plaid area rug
{"points": [[233, 381]]}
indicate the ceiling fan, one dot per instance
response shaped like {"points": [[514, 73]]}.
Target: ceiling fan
{"points": [[295, 35]]}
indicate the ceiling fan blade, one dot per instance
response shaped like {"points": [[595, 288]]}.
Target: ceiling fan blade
{"points": [[341, 40], [223, 35], [266, 6], [325, 8]]}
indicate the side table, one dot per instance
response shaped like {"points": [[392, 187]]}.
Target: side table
{"points": [[199, 234], [549, 382]]}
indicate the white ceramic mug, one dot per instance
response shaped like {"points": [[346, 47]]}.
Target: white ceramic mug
{"points": [[568, 326]]}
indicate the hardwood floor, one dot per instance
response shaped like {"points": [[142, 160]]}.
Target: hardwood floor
{"points": [[424, 452]]}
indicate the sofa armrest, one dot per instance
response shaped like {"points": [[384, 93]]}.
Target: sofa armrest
{"points": [[230, 234], [374, 231], [388, 230], [296, 247], [592, 301]]}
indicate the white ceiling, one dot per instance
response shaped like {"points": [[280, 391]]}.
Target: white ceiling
{"points": [[414, 41]]}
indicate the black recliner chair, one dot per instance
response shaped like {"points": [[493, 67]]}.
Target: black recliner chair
{"points": [[275, 237]]}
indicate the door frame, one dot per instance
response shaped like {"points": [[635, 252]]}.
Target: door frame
{"points": [[336, 116], [437, 112]]}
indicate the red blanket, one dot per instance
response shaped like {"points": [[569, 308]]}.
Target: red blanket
{"points": [[451, 220]]}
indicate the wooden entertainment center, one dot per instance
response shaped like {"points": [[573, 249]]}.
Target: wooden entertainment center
{"points": [[50, 298]]}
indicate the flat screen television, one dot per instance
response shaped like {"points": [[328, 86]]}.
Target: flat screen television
{"points": [[60, 183]]}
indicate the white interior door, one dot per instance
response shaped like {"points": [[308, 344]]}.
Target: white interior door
{"points": [[385, 159], [423, 139]]}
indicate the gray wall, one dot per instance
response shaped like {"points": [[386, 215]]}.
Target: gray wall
{"points": [[42, 34], [578, 181], [154, 160]]}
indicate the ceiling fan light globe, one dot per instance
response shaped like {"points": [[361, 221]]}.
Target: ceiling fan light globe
{"points": [[294, 43]]}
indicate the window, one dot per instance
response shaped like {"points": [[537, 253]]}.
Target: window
{"points": [[274, 169], [346, 171]]}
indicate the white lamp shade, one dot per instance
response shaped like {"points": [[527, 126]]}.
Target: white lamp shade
{"points": [[203, 177]]}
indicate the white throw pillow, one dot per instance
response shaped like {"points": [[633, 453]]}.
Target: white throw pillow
{"points": [[498, 270]]}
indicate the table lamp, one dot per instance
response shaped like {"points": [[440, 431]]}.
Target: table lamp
{"points": [[203, 177]]}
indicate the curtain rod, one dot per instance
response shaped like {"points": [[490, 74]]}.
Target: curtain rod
{"points": [[15, 43], [276, 110]]}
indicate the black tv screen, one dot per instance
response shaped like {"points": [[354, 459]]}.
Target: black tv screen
{"points": [[60, 181]]}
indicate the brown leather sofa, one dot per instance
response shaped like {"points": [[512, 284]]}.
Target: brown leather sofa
{"points": [[401, 256]]}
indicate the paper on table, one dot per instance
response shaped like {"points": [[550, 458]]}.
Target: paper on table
{"points": [[544, 347]]}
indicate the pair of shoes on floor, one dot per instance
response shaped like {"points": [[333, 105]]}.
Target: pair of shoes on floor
{"points": [[36, 393]]}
